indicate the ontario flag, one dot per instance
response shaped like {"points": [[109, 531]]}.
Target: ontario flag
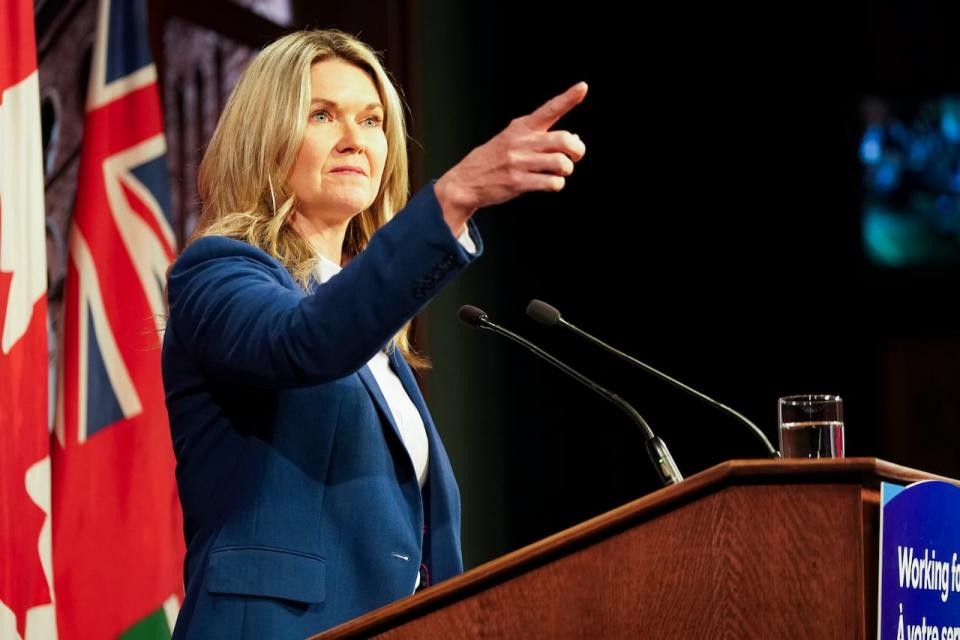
{"points": [[26, 592], [117, 535]]}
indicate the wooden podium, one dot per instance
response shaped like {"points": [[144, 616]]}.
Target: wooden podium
{"points": [[746, 549]]}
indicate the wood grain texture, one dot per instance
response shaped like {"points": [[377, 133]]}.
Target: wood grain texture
{"points": [[746, 549]]}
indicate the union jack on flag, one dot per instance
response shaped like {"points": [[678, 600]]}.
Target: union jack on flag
{"points": [[117, 537]]}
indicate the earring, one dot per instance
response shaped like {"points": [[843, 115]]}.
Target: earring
{"points": [[273, 198]]}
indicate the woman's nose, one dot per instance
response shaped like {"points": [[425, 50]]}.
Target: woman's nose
{"points": [[350, 139]]}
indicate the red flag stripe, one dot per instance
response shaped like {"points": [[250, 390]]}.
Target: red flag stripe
{"points": [[17, 44]]}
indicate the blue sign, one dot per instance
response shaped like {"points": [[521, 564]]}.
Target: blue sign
{"points": [[919, 562]]}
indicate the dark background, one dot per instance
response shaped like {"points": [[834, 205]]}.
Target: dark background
{"points": [[712, 230]]}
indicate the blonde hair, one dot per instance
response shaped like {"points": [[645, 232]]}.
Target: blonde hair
{"points": [[242, 179]]}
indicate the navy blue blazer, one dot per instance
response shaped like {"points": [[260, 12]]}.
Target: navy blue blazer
{"points": [[301, 504]]}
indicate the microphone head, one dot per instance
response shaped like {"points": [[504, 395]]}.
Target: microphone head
{"points": [[472, 316], [543, 313]]}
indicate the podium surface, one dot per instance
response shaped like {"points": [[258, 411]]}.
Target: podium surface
{"points": [[744, 549]]}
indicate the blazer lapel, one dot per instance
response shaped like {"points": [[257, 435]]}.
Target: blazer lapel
{"points": [[366, 376], [442, 513], [402, 369], [436, 465]]}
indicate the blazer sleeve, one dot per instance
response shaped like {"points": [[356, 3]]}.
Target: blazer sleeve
{"points": [[243, 319]]}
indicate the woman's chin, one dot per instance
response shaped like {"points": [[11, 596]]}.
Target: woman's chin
{"points": [[335, 212]]}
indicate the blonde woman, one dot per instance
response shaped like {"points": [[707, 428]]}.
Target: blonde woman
{"points": [[313, 483]]}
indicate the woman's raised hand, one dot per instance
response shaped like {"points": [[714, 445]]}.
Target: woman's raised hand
{"points": [[526, 156]]}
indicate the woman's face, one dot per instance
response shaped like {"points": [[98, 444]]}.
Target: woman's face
{"points": [[340, 163]]}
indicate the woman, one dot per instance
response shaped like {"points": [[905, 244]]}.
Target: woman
{"points": [[313, 483]]}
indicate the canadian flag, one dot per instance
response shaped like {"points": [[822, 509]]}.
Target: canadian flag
{"points": [[26, 590]]}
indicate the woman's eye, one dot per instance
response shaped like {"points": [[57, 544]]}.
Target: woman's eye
{"points": [[372, 121], [321, 116]]}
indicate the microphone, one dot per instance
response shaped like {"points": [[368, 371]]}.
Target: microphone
{"points": [[548, 315], [656, 448]]}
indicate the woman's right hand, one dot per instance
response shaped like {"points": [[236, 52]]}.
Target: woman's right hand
{"points": [[526, 156]]}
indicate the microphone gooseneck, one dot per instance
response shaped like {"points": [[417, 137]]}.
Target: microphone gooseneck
{"points": [[548, 315], [657, 450]]}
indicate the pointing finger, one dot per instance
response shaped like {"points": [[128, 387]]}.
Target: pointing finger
{"points": [[555, 108]]}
